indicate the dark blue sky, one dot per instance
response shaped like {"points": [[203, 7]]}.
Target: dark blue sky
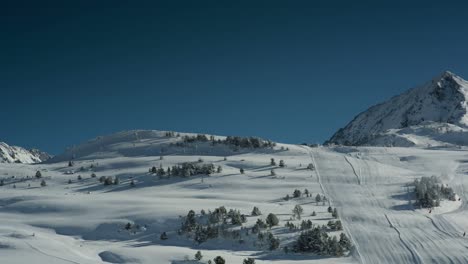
{"points": [[291, 72]]}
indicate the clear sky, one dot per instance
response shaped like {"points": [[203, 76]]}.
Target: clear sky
{"points": [[292, 72]]}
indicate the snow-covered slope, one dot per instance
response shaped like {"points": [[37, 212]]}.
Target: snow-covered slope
{"points": [[77, 219], [139, 143], [10, 154], [433, 114]]}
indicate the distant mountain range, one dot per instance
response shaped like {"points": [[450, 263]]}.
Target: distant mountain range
{"points": [[14, 154]]}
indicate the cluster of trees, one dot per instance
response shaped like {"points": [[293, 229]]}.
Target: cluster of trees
{"points": [[218, 259], [333, 212], [298, 194], [429, 192], [186, 169], [319, 242], [234, 141], [218, 223], [109, 180], [209, 225], [305, 224]]}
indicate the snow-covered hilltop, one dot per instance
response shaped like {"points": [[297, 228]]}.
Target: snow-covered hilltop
{"points": [[434, 114], [14, 154], [138, 143]]}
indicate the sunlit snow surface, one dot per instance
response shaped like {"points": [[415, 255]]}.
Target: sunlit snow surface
{"points": [[82, 222]]}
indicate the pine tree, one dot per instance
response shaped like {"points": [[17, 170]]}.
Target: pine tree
{"points": [[335, 213], [198, 255], [297, 193], [272, 172], [297, 211], [38, 174], [272, 162], [241, 170], [70, 164], [330, 209], [314, 213], [219, 260], [273, 242], [249, 261], [79, 177], [43, 183], [219, 169], [93, 175], [318, 198], [256, 211], [69, 181], [344, 242], [281, 163], [163, 236], [272, 220]]}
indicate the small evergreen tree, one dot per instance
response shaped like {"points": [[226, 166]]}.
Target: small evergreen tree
{"points": [[198, 255], [38, 174], [93, 175], [249, 261], [163, 236], [79, 177], [272, 162], [330, 209], [273, 242], [256, 211], [314, 213], [70, 164], [318, 198], [241, 170], [219, 260], [344, 242], [272, 172], [297, 193], [297, 211], [219, 169], [281, 163], [43, 183], [335, 213], [272, 220], [69, 181]]}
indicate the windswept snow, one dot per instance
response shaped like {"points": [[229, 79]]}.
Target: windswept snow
{"points": [[82, 222]]}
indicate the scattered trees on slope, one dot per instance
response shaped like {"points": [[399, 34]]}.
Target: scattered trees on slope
{"points": [[430, 191]]}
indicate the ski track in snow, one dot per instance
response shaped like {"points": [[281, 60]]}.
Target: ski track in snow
{"points": [[413, 252], [49, 255], [330, 201]]}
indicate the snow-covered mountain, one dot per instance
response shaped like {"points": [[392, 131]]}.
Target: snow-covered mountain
{"points": [[14, 154], [434, 114]]}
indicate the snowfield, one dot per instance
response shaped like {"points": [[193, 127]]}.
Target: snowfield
{"points": [[83, 221]]}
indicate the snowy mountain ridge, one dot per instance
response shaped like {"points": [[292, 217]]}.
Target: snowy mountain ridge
{"points": [[15, 154], [434, 114]]}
